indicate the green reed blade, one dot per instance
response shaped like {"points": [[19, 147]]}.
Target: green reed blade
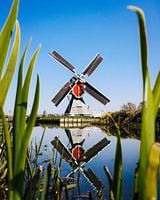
{"points": [[46, 183], [7, 78], [153, 167], [156, 93], [6, 34], [37, 196], [25, 90], [151, 100], [28, 165], [117, 178], [34, 185], [22, 152], [2, 166], [30, 125], [147, 139], [9, 152], [143, 45], [38, 152], [17, 109]]}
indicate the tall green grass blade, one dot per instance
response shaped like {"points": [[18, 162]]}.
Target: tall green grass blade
{"points": [[30, 125], [22, 134], [153, 167], [6, 80], [9, 152], [6, 34], [17, 109], [34, 185], [21, 155], [156, 93], [144, 48], [38, 152], [151, 101], [25, 91], [28, 165], [46, 183], [147, 139], [117, 178], [37, 196]]}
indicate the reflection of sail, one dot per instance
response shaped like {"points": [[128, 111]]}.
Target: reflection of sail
{"points": [[76, 155], [63, 151], [91, 176], [94, 150]]}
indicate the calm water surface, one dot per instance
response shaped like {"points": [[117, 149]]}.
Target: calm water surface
{"points": [[85, 139]]}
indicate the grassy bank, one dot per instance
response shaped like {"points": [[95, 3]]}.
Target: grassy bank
{"points": [[129, 123]]}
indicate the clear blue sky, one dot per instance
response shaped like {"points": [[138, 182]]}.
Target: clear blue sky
{"points": [[78, 30]]}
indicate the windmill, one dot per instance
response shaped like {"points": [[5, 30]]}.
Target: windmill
{"points": [[77, 86]]}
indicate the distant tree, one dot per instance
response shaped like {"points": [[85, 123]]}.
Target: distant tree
{"points": [[129, 107]]}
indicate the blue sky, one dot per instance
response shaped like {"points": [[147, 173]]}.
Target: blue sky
{"points": [[78, 30]]}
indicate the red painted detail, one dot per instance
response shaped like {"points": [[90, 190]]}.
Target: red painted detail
{"points": [[78, 89], [77, 152]]}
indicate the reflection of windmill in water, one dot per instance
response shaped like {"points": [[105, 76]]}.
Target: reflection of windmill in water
{"points": [[76, 87], [78, 157]]}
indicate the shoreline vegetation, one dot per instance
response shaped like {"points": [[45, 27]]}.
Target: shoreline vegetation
{"points": [[20, 178], [129, 122]]}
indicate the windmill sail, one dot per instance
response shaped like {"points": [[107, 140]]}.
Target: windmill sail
{"points": [[93, 65], [60, 59], [63, 92], [96, 94]]}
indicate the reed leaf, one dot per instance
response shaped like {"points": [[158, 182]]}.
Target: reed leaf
{"points": [[21, 155], [31, 120], [39, 184], [9, 153], [153, 167], [6, 33], [144, 47], [38, 152], [25, 90], [17, 108], [151, 101], [34, 185], [156, 93], [28, 165], [21, 131], [7, 78], [46, 183], [117, 178], [17, 155]]}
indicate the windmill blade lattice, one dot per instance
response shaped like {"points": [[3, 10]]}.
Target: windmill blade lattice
{"points": [[64, 91], [93, 65], [95, 93], [60, 59]]}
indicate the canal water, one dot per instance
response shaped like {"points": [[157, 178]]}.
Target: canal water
{"points": [[92, 149]]}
